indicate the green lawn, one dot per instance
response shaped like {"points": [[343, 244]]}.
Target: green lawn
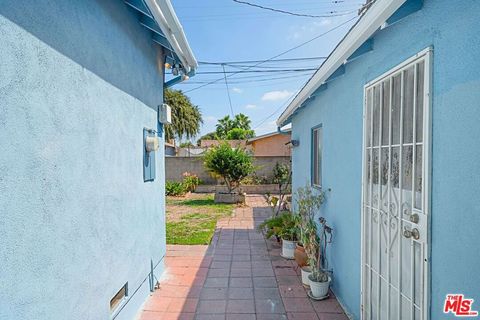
{"points": [[193, 221]]}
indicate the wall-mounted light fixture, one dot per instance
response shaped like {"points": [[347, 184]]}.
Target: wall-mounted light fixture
{"points": [[294, 143], [176, 70]]}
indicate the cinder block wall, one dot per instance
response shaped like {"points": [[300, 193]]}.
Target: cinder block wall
{"points": [[176, 166]]}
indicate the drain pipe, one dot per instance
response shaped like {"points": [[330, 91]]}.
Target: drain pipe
{"points": [[279, 130]]}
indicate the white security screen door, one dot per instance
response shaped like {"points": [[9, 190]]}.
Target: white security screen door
{"points": [[395, 209]]}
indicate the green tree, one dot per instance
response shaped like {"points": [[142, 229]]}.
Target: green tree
{"points": [[228, 163], [237, 128], [208, 136], [239, 134], [186, 117], [223, 126], [242, 121]]}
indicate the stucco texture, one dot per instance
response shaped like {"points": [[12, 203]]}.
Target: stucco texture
{"points": [[79, 82], [275, 145], [450, 27]]}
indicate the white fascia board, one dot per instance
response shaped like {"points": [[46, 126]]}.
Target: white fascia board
{"points": [[168, 22], [365, 27]]}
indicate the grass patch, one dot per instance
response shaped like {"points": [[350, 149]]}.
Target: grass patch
{"points": [[193, 221]]}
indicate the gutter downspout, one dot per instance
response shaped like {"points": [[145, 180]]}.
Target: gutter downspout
{"points": [[279, 130]]}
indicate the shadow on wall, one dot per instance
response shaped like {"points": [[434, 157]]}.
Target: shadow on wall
{"points": [[103, 36]]}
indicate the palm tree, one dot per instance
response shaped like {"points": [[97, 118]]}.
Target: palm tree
{"points": [[186, 117], [242, 121], [223, 126]]}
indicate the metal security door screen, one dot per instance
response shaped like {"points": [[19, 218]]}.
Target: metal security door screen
{"points": [[395, 208]]}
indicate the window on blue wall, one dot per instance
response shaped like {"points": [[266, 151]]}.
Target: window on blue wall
{"points": [[317, 157]]}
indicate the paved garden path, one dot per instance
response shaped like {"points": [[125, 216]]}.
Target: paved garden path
{"points": [[239, 276]]}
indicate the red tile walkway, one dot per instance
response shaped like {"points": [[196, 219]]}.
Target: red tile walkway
{"points": [[240, 276]]}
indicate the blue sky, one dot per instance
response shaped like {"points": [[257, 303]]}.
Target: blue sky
{"points": [[223, 30]]}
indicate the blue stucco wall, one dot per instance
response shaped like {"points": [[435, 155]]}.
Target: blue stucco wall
{"points": [[79, 80], [451, 27]]}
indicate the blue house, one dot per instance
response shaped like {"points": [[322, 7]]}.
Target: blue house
{"points": [[388, 128], [82, 212]]}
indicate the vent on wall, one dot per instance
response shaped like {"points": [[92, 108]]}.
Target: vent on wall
{"points": [[119, 298]]}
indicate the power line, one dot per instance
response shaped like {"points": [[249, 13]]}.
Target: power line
{"points": [[330, 14], [228, 90], [254, 80], [255, 71], [269, 60], [282, 53], [276, 111]]}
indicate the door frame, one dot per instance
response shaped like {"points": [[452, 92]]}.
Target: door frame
{"points": [[427, 55]]}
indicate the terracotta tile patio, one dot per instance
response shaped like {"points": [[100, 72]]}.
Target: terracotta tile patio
{"points": [[239, 276]]}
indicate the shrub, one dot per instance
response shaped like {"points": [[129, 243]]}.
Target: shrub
{"points": [[174, 188], [284, 226], [190, 181], [231, 164]]}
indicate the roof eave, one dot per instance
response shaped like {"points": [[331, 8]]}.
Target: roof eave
{"points": [[168, 22], [365, 27]]}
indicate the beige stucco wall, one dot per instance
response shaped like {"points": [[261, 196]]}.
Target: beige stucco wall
{"points": [[272, 146]]}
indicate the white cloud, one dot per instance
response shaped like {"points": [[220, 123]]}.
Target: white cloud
{"points": [[276, 95], [308, 29], [237, 90], [267, 127], [210, 119], [250, 106], [323, 22]]}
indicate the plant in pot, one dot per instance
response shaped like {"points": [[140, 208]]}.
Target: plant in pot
{"points": [[283, 227], [307, 203], [282, 177], [315, 247], [232, 165]]}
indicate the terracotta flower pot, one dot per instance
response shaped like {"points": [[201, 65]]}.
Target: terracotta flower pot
{"points": [[300, 256]]}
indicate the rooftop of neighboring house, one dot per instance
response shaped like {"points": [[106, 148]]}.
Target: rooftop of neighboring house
{"points": [[286, 132]]}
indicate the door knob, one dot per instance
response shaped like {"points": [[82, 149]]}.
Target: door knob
{"points": [[414, 233]]}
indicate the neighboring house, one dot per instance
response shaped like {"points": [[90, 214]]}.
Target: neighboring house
{"points": [[190, 152], [271, 144], [82, 206], [213, 143], [170, 149], [388, 128]]}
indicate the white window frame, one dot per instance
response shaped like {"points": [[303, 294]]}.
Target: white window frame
{"points": [[316, 156]]}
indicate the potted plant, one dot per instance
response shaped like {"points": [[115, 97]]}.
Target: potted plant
{"points": [[282, 177], [232, 165], [315, 247], [307, 203], [283, 227]]}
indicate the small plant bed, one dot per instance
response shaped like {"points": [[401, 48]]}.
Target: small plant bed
{"points": [[192, 221]]}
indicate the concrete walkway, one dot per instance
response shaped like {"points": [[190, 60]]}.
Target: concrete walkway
{"points": [[239, 276]]}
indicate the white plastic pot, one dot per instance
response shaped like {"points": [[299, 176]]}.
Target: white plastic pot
{"points": [[288, 249], [319, 289], [306, 271]]}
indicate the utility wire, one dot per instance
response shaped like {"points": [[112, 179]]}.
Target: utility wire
{"points": [[282, 53], [228, 90], [255, 61], [255, 71], [274, 112], [330, 14], [253, 80]]}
